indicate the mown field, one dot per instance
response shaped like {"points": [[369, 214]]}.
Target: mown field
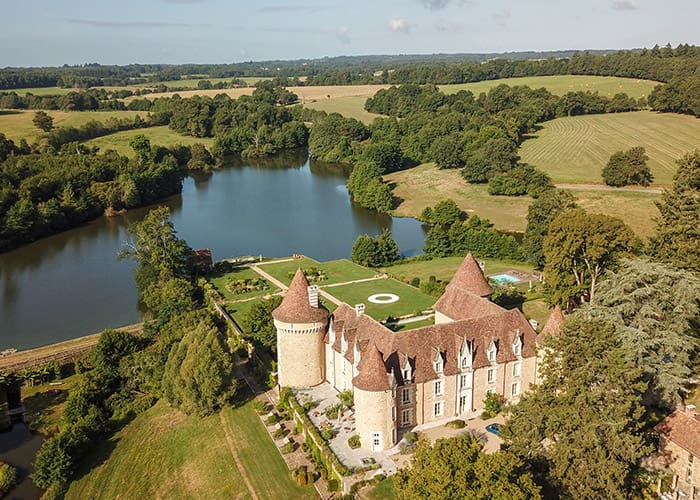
{"points": [[352, 107], [561, 84], [336, 271], [166, 454], [425, 185], [162, 136], [575, 149], [17, 124]]}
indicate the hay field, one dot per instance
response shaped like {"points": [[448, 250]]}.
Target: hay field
{"points": [[162, 136], [352, 107], [561, 84], [17, 124], [575, 149]]}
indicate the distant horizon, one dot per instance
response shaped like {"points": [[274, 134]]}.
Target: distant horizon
{"points": [[220, 31], [358, 56]]}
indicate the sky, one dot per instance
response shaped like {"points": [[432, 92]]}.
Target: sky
{"points": [[57, 32]]}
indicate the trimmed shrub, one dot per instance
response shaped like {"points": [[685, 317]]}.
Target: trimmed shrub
{"points": [[456, 424], [260, 407], [492, 405], [8, 478], [354, 442], [278, 433], [411, 437], [333, 485], [272, 419]]}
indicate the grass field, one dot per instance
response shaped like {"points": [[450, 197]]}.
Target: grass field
{"points": [[575, 149], [445, 267], [637, 210], [337, 271], [243, 273], [16, 124], [43, 407], [425, 185], [43, 91], [165, 454], [561, 84], [352, 107], [162, 136], [410, 300]]}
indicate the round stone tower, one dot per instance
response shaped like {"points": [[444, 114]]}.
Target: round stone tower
{"points": [[301, 323], [374, 402]]}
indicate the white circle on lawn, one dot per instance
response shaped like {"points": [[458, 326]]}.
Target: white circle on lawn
{"points": [[383, 298]]}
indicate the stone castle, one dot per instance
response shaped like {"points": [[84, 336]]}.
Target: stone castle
{"points": [[413, 377]]}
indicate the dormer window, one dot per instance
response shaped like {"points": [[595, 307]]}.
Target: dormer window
{"points": [[331, 333], [356, 354], [491, 352], [437, 363], [517, 345], [406, 373], [465, 356], [344, 344]]}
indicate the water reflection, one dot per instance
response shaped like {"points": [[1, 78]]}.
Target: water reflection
{"points": [[18, 448], [72, 284]]}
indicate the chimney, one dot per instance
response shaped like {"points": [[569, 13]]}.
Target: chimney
{"points": [[690, 410], [359, 309], [313, 295]]}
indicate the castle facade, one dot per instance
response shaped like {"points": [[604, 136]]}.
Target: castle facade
{"points": [[413, 377]]}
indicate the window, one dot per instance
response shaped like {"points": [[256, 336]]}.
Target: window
{"points": [[689, 469], [516, 369], [406, 417], [462, 404], [376, 440], [465, 363], [438, 388], [516, 348], [438, 366], [463, 381], [491, 351], [405, 395], [406, 374], [491, 376], [438, 408], [393, 413], [515, 388]]}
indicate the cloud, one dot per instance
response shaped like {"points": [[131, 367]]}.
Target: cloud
{"points": [[397, 25], [625, 4], [343, 35], [131, 24], [287, 8]]}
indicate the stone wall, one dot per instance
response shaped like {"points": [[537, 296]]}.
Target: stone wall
{"points": [[300, 351], [373, 414]]}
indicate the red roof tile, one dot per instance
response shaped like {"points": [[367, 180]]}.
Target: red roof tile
{"points": [[554, 324], [470, 278], [295, 307], [683, 429], [373, 375], [458, 304]]}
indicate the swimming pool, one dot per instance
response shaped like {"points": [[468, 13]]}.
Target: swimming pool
{"points": [[504, 279]]}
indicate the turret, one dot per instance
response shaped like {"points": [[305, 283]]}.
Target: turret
{"points": [[374, 401], [301, 323], [551, 328]]}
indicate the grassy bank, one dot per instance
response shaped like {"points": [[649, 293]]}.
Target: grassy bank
{"points": [[166, 454], [162, 136]]}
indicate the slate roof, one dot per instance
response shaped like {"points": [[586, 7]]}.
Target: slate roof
{"points": [[683, 429], [554, 324], [295, 307]]}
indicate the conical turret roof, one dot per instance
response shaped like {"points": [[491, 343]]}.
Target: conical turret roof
{"points": [[295, 307], [470, 278], [554, 323], [373, 374]]}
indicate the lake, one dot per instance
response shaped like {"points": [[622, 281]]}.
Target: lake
{"points": [[72, 284]]}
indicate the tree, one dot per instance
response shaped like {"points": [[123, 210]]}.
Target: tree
{"points": [[457, 468], [142, 147], [258, 322], [156, 248], [200, 158], [199, 374], [446, 151], [628, 167], [42, 121], [581, 428], [364, 250], [540, 214], [111, 347], [677, 238], [387, 249], [656, 310], [578, 249], [446, 213], [375, 252]]}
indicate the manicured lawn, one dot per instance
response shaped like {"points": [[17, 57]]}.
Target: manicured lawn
{"points": [[411, 300], [239, 310], [445, 267], [425, 185], [243, 273], [337, 271], [561, 84], [17, 124], [384, 490], [166, 454], [44, 407], [413, 325], [537, 309], [575, 149], [162, 136]]}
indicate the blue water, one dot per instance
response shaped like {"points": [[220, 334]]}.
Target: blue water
{"points": [[504, 279]]}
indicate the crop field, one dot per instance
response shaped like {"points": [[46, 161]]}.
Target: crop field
{"points": [[17, 124], [575, 149], [561, 84], [162, 136], [411, 299], [163, 453], [425, 185], [336, 271]]}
